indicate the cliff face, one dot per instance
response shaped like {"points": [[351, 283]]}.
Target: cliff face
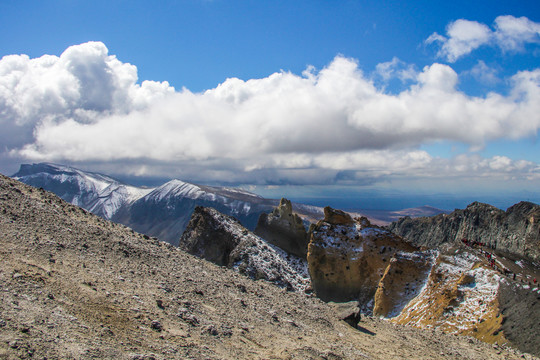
{"points": [[516, 231], [402, 281], [347, 257], [284, 229], [222, 240]]}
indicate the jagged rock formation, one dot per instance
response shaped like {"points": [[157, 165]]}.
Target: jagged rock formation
{"points": [[347, 257], [220, 239], [284, 229], [516, 231], [460, 297], [467, 295]]}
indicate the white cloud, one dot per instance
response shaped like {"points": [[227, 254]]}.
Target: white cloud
{"points": [[464, 36], [83, 84], [513, 33], [332, 125], [484, 74]]}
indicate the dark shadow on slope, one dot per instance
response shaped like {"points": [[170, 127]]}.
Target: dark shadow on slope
{"points": [[365, 331]]}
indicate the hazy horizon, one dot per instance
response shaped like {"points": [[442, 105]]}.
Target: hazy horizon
{"points": [[356, 198]]}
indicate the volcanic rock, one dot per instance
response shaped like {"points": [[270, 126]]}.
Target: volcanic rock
{"points": [[337, 217], [284, 229], [347, 258], [221, 239], [402, 281], [516, 231]]}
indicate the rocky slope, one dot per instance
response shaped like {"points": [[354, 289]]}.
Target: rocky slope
{"points": [[516, 231], [77, 286]]}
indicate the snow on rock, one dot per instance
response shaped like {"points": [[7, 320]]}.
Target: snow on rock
{"points": [[404, 278], [176, 188], [221, 239], [459, 297]]}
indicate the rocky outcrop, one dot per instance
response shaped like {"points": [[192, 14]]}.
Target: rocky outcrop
{"points": [[516, 231], [348, 257], [337, 217], [284, 229], [206, 236], [462, 289], [221, 239], [460, 297], [402, 281]]}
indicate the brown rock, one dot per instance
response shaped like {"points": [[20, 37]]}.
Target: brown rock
{"points": [[401, 282], [346, 261], [284, 229], [337, 217]]}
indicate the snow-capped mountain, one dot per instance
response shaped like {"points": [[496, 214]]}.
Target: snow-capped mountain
{"points": [[162, 212], [97, 193], [165, 211]]}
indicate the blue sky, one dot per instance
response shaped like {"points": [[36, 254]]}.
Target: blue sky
{"points": [[421, 98]]}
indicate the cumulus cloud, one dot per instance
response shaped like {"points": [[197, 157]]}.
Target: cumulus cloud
{"points": [[513, 33], [464, 36], [324, 126], [84, 84]]}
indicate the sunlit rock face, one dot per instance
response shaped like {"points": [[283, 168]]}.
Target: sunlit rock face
{"points": [[461, 297], [284, 229], [402, 281], [347, 257]]}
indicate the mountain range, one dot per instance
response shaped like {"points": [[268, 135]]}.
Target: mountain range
{"points": [[162, 212], [165, 211]]}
